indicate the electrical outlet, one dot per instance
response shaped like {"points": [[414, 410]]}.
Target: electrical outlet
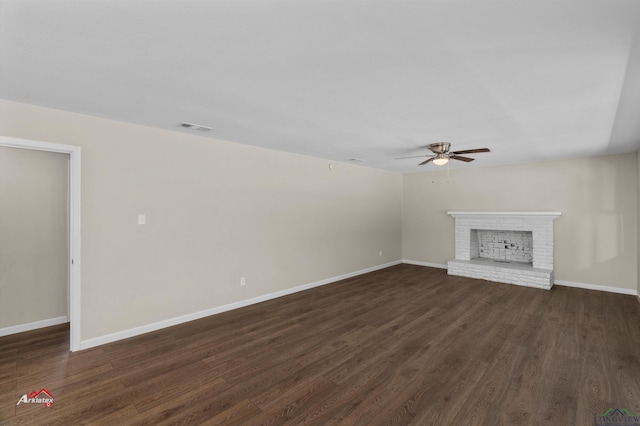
{"points": [[243, 281], [380, 253]]}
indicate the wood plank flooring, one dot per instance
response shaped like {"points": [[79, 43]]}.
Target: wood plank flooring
{"points": [[405, 345]]}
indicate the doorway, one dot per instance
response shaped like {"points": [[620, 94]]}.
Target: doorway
{"points": [[73, 225]]}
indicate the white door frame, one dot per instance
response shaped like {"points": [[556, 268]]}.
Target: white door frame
{"points": [[74, 223]]}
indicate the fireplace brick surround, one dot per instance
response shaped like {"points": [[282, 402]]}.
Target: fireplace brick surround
{"points": [[504, 266]]}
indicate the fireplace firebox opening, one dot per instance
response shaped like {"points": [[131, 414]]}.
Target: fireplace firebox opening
{"points": [[502, 246]]}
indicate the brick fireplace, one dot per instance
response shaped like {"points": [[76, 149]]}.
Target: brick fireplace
{"points": [[508, 247]]}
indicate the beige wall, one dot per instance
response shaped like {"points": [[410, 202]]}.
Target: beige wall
{"points": [[216, 211], [595, 238], [33, 236], [638, 228]]}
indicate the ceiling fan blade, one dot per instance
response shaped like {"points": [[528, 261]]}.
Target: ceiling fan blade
{"points": [[427, 161], [471, 151], [413, 156], [461, 158]]}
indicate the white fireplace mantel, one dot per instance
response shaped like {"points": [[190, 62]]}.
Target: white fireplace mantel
{"points": [[548, 215]]}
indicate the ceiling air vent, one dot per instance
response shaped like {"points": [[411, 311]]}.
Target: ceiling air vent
{"points": [[197, 127]]}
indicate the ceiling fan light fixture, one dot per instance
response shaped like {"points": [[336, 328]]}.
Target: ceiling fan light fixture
{"points": [[442, 155], [440, 161]]}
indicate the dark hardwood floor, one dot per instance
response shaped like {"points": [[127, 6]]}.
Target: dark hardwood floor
{"points": [[405, 345]]}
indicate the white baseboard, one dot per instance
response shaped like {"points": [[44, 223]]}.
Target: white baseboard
{"points": [[32, 325], [125, 334], [418, 263], [596, 287]]}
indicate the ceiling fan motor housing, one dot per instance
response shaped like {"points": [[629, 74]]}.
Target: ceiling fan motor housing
{"points": [[440, 147]]}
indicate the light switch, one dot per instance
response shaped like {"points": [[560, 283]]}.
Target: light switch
{"points": [[142, 219]]}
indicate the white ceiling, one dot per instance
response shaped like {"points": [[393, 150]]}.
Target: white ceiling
{"points": [[373, 80]]}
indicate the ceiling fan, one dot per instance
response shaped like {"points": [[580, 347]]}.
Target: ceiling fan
{"points": [[442, 155]]}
